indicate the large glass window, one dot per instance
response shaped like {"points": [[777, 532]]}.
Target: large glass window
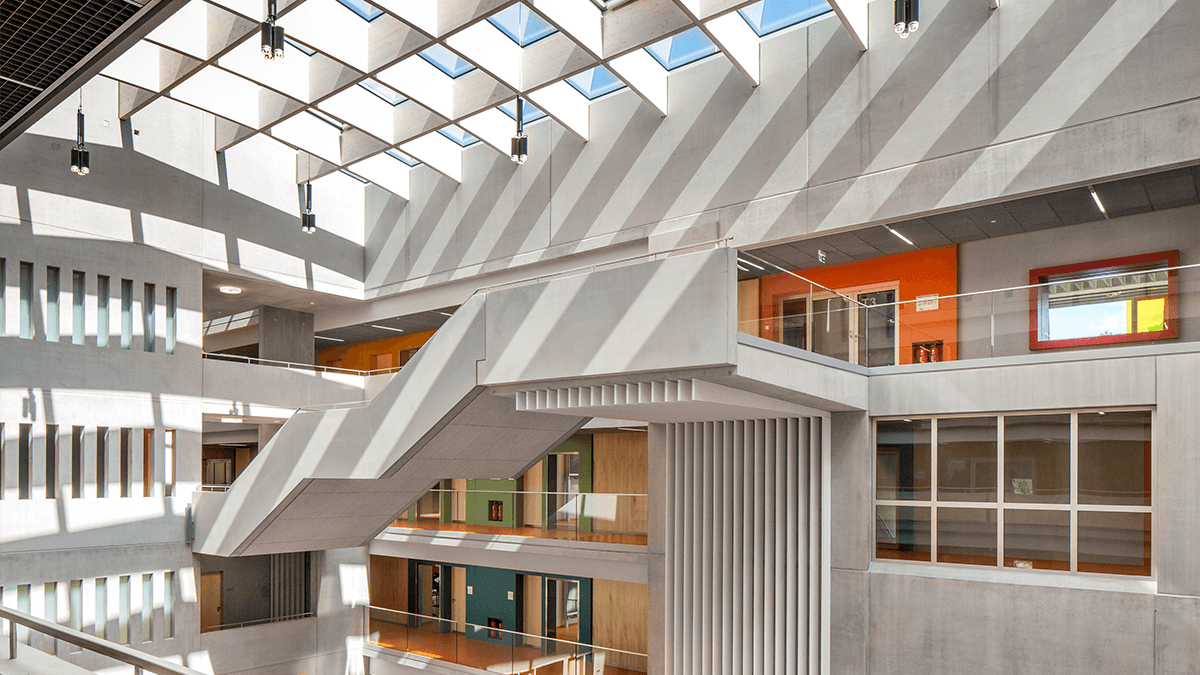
{"points": [[1104, 302], [1056, 491]]}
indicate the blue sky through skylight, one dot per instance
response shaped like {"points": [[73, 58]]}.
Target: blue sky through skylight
{"points": [[521, 24], [531, 113], [383, 91], [768, 16], [396, 154], [446, 61], [364, 9], [595, 83], [456, 134], [299, 47], [681, 49]]}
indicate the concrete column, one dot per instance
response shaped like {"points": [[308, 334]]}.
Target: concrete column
{"points": [[285, 335]]}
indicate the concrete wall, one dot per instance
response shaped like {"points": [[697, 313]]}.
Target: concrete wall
{"points": [[977, 106], [896, 618], [285, 335], [1005, 262]]}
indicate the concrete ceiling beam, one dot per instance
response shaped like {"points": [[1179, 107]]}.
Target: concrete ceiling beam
{"points": [[853, 14]]}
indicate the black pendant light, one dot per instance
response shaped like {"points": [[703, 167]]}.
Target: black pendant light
{"points": [[308, 219], [906, 17], [80, 159], [272, 35], [520, 143]]}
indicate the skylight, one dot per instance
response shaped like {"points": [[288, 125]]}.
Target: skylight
{"points": [[595, 83], [299, 47], [326, 119], [362, 8], [682, 48], [446, 61], [355, 176], [396, 154], [769, 16], [456, 134], [383, 91], [521, 24], [531, 113]]}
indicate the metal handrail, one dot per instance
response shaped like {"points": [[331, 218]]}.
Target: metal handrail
{"points": [[258, 622], [290, 365], [501, 630], [538, 492], [1009, 289], [140, 661]]}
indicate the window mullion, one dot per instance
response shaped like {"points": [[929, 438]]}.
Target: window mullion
{"points": [[1074, 492], [1000, 491], [933, 489]]}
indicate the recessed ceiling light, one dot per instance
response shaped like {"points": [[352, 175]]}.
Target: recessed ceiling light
{"points": [[322, 337], [230, 290], [445, 313], [398, 330], [902, 237], [231, 420]]}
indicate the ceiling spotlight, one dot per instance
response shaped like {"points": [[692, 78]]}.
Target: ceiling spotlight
{"points": [[906, 17], [272, 35], [308, 219], [230, 290], [520, 143], [80, 161]]}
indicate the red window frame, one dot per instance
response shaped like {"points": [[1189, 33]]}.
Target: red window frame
{"points": [[1039, 276]]}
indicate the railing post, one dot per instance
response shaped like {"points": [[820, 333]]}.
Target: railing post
{"points": [[12, 639]]}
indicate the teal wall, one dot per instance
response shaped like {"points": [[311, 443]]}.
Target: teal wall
{"points": [[488, 598]]}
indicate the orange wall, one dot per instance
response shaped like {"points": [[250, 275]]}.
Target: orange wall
{"points": [[361, 355], [921, 272]]}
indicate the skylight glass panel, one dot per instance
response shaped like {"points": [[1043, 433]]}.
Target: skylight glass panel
{"points": [[383, 91], [364, 9], [595, 83], [457, 135], [681, 49], [769, 16], [396, 154], [325, 118], [447, 61], [299, 47], [355, 176], [521, 24], [530, 112]]}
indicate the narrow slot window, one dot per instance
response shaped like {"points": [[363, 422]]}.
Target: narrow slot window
{"points": [[52, 312], [169, 463], [172, 326], [147, 462], [123, 610], [147, 608], [26, 291], [23, 598], [76, 604], [102, 292], [50, 594], [101, 462], [126, 313], [78, 296], [76, 462], [101, 607], [126, 462], [169, 605], [148, 322], [2, 462], [51, 461], [24, 460]]}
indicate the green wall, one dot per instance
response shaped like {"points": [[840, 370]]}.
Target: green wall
{"points": [[477, 502]]}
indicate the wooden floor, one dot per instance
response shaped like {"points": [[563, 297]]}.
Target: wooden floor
{"points": [[537, 532], [497, 658]]}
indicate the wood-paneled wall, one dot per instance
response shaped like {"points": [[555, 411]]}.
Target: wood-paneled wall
{"points": [[620, 611], [619, 466], [458, 594], [389, 582], [532, 482], [747, 308]]}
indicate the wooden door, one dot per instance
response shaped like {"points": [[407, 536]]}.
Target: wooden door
{"points": [[212, 596]]}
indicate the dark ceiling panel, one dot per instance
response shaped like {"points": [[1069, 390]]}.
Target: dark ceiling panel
{"points": [[882, 239], [419, 322], [1125, 197], [1171, 189], [1075, 206], [1033, 213], [993, 220], [811, 247], [956, 227], [851, 245], [922, 234], [40, 40]]}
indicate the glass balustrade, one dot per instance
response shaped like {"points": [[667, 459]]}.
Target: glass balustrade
{"points": [[609, 518], [494, 649]]}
